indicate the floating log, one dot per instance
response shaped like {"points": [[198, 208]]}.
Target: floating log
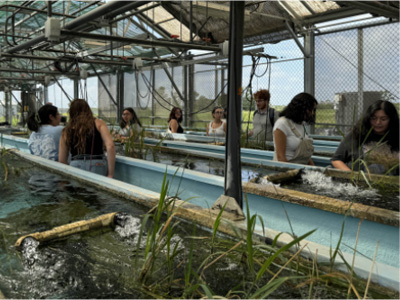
{"points": [[68, 229], [284, 176]]}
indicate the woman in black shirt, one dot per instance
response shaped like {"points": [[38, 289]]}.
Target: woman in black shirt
{"points": [[84, 137], [375, 138]]}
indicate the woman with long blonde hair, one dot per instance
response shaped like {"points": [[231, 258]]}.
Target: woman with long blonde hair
{"points": [[84, 138]]}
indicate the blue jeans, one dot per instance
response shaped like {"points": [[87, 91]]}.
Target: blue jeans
{"points": [[95, 163]]}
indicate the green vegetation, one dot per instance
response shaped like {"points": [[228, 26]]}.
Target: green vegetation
{"points": [[259, 270]]}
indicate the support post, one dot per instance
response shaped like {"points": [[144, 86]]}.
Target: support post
{"points": [[120, 94], [309, 68], [360, 74], [190, 100], [233, 170], [153, 106], [76, 88]]}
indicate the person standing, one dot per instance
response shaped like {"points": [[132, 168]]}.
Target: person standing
{"points": [[84, 138], [46, 131], [264, 117], [291, 141]]}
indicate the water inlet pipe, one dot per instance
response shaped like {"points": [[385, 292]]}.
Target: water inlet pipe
{"points": [[76, 227]]}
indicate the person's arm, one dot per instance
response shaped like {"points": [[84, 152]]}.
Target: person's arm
{"points": [[207, 128], [173, 125], [338, 164], [63, 150], [110, 148], [280, 145], [225, 127], [342, 154]]}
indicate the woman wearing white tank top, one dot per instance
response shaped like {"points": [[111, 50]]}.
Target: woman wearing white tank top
{"points": [[217, 127]]}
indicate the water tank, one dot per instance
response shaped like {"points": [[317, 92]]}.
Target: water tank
{"points": [[350, 106]]}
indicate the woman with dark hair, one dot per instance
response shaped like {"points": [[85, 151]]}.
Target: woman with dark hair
{"points": [[130, 124], [46, 131], [217, 127], [175, 118], [84, 137], [374, 139], [292, 143]]}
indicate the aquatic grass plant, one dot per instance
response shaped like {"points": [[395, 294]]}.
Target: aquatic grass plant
{"points": [[171, 270], [136, 148]]}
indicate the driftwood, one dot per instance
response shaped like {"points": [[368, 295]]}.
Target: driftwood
{"points": [[284, 176], [68, 229]]}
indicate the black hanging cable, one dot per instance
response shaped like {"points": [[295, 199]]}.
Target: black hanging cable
{"points": [[150, 87], [137, 85], [138, 92]]}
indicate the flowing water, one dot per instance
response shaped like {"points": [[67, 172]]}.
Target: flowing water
{"points": [[310, 182], [321, 184], [100, 263]]}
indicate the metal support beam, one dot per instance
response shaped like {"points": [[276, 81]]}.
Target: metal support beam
{"points": [[66, 59], [15, 98], [120, 94], [8, 107], [373, 7], [153, 106], [104, 86], [360, 73], [170, 44], [233, 171], [28, 71], [309, 63], [76, 88], [62, 89], [293, 34], [190, 101], [173, 83], [309, 68], [45, 94], [110, 8]]}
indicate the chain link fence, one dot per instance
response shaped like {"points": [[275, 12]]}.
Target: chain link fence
{"points": [[353, 69]]}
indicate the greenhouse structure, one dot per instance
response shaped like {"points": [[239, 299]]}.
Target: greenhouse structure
{"points": [[263, 226]]}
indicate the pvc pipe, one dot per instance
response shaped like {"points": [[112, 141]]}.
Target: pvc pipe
{"points": [[68, 229]]}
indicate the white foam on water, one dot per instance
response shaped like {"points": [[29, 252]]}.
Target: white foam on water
{"points": [[323, 183], [264, 181], [131, 227]]}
